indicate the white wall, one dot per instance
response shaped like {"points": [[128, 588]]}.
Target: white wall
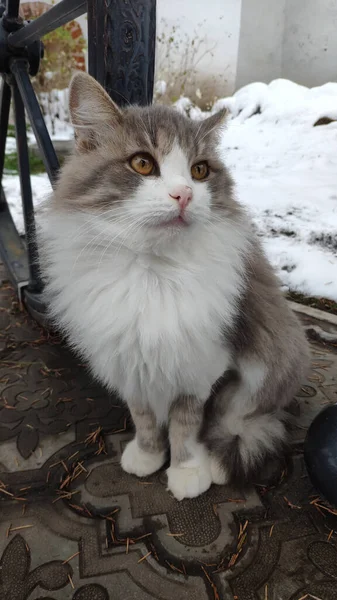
{"points": [[257, 40], [293, 39], [261, 40], [310, 41], [217, 22], [83, 21]]}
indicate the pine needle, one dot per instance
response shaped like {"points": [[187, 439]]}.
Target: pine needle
{"points": [[144, 557], [70, 558], [21, 527]]}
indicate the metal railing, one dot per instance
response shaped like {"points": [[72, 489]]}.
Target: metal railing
{"points": [[121, 54]]}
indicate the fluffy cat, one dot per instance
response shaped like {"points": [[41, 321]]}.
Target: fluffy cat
{"points": [[155, 274]]}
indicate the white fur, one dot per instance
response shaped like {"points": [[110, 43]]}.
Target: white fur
{"points": [[253, 374], [218, 472], [138, 462], [192, 477], [145, 305]]}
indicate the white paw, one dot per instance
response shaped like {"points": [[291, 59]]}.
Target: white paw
{"points": [[138, 462], [190, 479], [218, 473]]}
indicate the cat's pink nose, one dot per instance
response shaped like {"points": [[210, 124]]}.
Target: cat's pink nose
{"points": [[183, 194]]}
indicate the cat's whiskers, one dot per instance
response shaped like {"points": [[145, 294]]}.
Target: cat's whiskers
{"points": [[93, 217], [123, 217], [138, 223], [89, 243], [123, 240], [85, 227]]}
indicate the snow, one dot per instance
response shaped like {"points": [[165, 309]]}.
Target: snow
{"points": [[55, 107], [160, 88], [286, 175], [40, 188], [285, 171]]}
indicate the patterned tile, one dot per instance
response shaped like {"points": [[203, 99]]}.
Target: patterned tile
{"points": [[73, 526]]}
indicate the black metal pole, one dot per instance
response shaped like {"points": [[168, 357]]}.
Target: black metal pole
{"points": [[12, 8], [95, 38], [5, 102], [19, 68], [26, 189], [58, 15], [121, 48]]}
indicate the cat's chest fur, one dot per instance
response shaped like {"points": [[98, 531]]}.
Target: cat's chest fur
{"points": [[152, 328]]}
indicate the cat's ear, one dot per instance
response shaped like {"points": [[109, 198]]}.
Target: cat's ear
{"points": [[92, 111], [212, 125]]}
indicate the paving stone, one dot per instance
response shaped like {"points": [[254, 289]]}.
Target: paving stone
{"points": [[64, 496]]}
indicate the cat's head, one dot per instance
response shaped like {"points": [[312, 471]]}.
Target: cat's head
{"points": [[149, 172]]}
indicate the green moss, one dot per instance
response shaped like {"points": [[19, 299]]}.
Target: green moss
{"points": [[11, 131], [11, 164], [320, 303]]}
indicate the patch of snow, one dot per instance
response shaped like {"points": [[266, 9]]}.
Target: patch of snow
{"points": [[185, 106], [55, 109], [160, 88], [286, 175], [285, 100], [40, 189], [10, 145]]}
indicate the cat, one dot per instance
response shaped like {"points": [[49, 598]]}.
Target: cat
{"points": [[156, 276]]}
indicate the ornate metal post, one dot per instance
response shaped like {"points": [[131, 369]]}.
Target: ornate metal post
{"points": [[122, 37]]}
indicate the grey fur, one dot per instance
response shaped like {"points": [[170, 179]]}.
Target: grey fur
{"points": [[151, 438], [185, 421], [244, 429]]}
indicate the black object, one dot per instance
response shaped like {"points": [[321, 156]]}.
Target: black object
{"points": [[33, 110], [61, 13], [320, 453], [121, 53]]}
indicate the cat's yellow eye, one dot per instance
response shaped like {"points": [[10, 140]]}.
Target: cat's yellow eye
{"points": [[143, 164], [200, 170]]}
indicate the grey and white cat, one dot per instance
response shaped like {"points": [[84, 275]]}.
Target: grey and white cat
{"points": [[155, 274]]}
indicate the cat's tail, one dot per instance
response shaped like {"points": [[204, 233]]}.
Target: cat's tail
{"points": [[241, 447]]}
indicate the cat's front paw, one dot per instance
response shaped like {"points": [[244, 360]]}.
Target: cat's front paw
{"points": [[138, 462], [189, 480]]}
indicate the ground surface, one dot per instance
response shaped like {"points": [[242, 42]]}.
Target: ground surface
{"points": [[73, 526]]}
